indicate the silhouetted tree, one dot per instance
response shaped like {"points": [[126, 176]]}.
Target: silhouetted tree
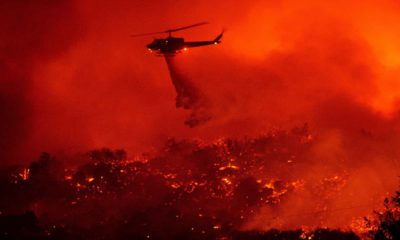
{"points": [[388, 225]]}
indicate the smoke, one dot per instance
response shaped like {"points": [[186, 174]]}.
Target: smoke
{"points": [[275, 67], [188, 96], [73, 80], [33, 33]]}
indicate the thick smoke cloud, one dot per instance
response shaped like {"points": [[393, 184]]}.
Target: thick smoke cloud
{"points": [[281, 64], [33, 32]]}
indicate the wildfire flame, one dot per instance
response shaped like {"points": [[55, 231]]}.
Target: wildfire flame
{"points": [[24, 175]]}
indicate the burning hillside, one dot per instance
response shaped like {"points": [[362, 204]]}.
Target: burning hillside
{"points": [[72, 79], [188, 189]]}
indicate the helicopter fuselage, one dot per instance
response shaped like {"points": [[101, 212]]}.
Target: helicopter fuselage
{"points": [[174, 45], [170, 45]]}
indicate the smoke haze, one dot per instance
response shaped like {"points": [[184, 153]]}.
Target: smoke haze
{"points": [[72, 79]]}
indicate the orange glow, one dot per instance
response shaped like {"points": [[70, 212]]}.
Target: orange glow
{"points": [[90, 179], [226, 180], [175, 185], [74, 80], [216, 227], [229, 166], [25, 174]]}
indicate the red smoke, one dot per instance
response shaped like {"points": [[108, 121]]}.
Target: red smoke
{"points": [[188, 96], [73, 79]]}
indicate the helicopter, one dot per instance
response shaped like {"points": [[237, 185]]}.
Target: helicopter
{"points": [[174, 45]]}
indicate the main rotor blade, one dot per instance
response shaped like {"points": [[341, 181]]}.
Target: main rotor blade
{"points": [[186, 27], [147, 34], [169, 30]]}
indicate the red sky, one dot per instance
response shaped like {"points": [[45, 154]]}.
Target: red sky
{"points": [[73, 79]]}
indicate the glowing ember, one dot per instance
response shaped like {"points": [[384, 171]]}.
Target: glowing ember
{"points": [[24, 174], [90, 179], [233, 185], [72, 79]]}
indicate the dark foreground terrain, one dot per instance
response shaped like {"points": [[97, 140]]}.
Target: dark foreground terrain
{"points": [[187, 190]]}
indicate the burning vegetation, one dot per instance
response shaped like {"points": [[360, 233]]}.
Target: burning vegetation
{"points": [[189, 189], [73, 80]]}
